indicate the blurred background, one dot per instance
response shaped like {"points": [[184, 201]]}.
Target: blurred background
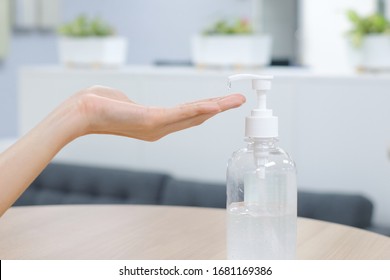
{"points": [[159, 32], [330, 91]]}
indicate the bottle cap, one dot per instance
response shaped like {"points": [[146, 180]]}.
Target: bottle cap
{"points": [[261, 123]]}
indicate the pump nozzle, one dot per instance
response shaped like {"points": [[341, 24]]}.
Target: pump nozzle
{"points": [[261, 123], [259, 82]]}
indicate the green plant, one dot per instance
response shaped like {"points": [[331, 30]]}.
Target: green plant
{"points": [[361, 26], [224, 27], [83, 26]]}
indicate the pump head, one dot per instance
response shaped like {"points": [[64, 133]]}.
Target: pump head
{"points": [[261, 123]]}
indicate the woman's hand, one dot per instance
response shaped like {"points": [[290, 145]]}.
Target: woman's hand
{"points": [[109, 111], [99, 110]]}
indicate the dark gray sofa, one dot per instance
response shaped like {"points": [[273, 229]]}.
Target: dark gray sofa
{"points": [[73, 184]]}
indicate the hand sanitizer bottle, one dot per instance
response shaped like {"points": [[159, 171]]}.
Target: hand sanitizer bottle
{"points": [[261, 187]]}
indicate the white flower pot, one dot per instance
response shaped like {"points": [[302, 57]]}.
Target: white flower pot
{"points": [[93, 51], [373, 54], [231, 50]]}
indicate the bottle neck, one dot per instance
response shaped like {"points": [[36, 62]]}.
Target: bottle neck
{"points": [[261, 148], [264, 144]]}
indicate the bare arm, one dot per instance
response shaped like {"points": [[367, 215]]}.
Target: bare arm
{"points": [[97, 110]]}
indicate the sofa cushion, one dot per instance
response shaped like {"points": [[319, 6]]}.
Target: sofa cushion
{"points": [[348, 209], [73, 184], [193, 193]]}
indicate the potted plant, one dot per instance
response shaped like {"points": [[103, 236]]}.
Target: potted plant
{"points": [[370, 41], [90, 42], [231, 44]]}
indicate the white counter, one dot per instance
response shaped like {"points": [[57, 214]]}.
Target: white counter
{"points": [[334, 125]]}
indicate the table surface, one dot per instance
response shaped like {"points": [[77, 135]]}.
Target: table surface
{"points": [[158, 232]]}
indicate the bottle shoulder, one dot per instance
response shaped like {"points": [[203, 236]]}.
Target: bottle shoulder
{"points": [[272, 152], [274, 158]]}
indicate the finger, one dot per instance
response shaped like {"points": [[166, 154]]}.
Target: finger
{"points": [[204, 100], [231, 101], [216, 99], [198, 108], [188, 111], [223, 103]]}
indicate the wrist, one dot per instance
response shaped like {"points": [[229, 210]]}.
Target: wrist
{"points": [[74, 119], [66, 123]]}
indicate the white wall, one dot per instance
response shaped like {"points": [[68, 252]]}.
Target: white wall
{"points": [[323, 24], [279, 18]]}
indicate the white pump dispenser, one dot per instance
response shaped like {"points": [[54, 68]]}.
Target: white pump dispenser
{"points": [[261, 123], [261, 187]]}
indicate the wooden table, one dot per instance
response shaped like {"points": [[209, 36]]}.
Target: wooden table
{"points": [[158, 232]]}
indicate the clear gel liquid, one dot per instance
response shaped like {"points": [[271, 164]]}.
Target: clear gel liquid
{"points": [[255, 235]]}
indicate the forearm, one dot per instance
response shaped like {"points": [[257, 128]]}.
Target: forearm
{"points": [[22, 162]]}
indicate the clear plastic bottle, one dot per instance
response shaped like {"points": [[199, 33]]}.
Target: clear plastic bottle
{"points": [[261, 192]]}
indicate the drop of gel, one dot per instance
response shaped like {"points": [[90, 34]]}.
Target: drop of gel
{"points": [[229, 84]]}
